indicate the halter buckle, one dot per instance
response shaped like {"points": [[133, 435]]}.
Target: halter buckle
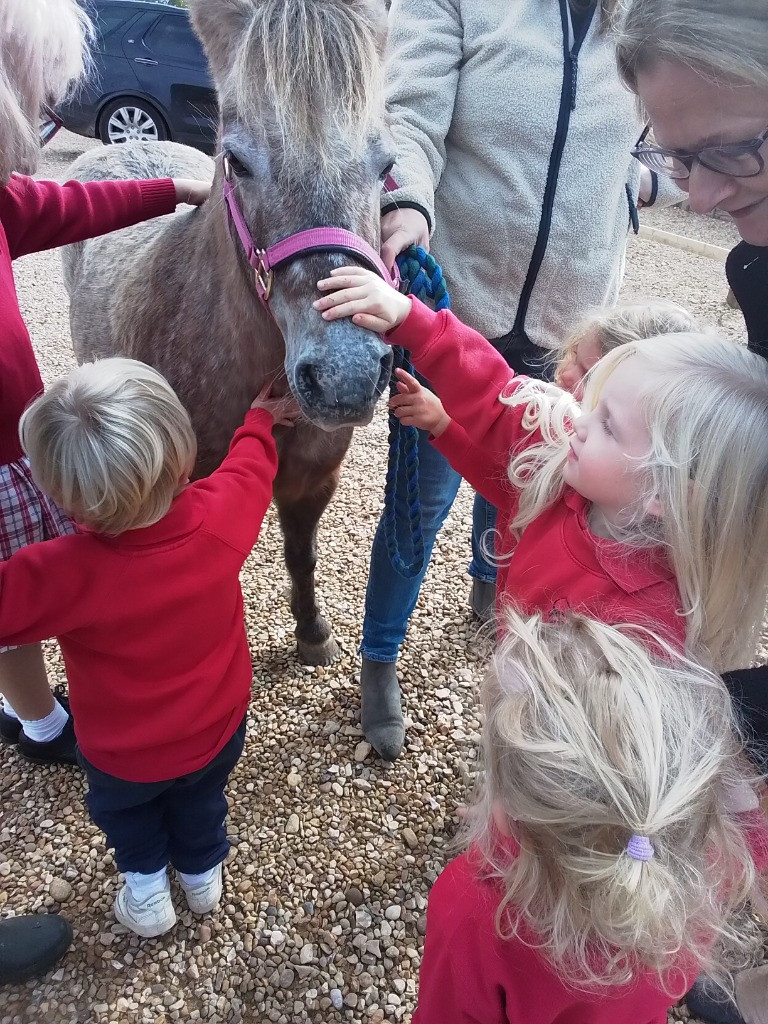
{"points": [[263, 274]]}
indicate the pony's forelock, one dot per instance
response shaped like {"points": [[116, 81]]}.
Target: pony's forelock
{"points": [[319, 96]]}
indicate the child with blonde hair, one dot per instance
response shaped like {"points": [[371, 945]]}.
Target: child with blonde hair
{"points": [[145, 601], [604, 858], [603, 330], [644, 503]]}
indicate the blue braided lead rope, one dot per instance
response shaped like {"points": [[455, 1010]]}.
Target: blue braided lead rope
{"points": [[422, 277]]}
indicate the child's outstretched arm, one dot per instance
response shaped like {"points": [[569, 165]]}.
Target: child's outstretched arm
{"points": [[466, 371], [417, 406]]}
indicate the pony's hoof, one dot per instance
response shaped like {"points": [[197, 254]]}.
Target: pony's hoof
{"points": [[381, 712], [318, 654]]}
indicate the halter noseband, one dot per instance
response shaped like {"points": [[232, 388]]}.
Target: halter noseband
{"points": [[302, 243]]}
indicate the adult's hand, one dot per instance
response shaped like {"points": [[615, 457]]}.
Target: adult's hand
{"points": [[399, 229]]}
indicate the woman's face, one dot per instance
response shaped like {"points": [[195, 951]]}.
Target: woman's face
{"points": [[689, 112]]}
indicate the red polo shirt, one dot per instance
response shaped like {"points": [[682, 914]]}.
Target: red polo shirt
{"points": [[150, 623], [470, 975]]}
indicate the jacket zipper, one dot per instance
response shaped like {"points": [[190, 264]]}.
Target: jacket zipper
{"points": [[567, 104]]}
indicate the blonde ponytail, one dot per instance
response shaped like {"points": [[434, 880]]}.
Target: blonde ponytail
{"points": [[591, 745]]}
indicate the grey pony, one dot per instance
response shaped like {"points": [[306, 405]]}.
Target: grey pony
{"points": [[302, 122]]}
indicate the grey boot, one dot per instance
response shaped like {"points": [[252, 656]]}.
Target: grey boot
{"points": [[381, 712], [483, 600]]}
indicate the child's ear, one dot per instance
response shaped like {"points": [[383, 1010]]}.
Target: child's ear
{"points": [[653, 508]]}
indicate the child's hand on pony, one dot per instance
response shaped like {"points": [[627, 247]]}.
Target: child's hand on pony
{"points": [[284, 409], [416, 406], [363, 295]]}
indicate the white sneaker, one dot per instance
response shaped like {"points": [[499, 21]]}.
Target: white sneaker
{"points": [[205, 897], [153, 916]]}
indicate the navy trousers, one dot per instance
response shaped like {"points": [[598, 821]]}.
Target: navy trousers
{"points": [[179, 821]]}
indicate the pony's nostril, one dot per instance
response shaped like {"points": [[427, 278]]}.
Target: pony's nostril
{"points": [[308, 378]]}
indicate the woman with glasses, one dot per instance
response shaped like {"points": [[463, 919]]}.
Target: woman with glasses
{"points": [[700, 70], [513, 134]]}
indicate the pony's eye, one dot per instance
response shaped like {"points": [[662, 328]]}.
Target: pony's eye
{"points": [[236, 166], [387, 170]]}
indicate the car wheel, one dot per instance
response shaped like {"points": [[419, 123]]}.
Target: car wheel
{"points": [[129, 120]]}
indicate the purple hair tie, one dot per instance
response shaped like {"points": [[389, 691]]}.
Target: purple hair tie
{"points": [[640, 848]]}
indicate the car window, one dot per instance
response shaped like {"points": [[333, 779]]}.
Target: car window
{"points": [[172, 38], [107, 19]]}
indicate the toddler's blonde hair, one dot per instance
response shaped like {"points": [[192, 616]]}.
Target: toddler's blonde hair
{"points": [[707, 412], [588, 740], [617, 325], [110, 443]]}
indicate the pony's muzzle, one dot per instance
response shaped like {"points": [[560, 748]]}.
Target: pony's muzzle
{"points": [[338, 387]]}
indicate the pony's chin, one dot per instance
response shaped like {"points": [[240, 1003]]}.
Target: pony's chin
{"points": [[338, 419]]}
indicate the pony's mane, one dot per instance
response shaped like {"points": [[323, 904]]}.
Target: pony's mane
{"points": [[319, 64]]}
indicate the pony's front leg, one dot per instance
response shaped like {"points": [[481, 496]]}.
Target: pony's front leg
{"points": [[299, 519]]}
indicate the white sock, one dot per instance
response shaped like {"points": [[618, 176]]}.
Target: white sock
{"points": [[192, 881], [141, 887], [43, 730], [8, 709]]}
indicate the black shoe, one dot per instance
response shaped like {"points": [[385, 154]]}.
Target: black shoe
{"points": [[708, 1001], [60, 750], [30, 945], [10, 728]]}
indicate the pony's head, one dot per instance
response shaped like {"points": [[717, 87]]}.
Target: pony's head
{"points": [[304, 130]]}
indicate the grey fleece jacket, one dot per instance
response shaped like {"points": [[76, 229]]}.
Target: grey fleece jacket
{"points": [[519, 155]]}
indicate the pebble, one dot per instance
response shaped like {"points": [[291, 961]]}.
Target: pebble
{"points": [[362, 750], [293, 825], [293, 780], [60, 890], [393, 913], [409, 837], [337, 999], [353, 896], [307, 954], [363, 918]]}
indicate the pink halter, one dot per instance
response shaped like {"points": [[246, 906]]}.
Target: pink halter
{"points": [[324, 239]]}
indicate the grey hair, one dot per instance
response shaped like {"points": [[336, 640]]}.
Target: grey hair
{"points": [[44, 52], [714, 39], [588, 739], [706, 406], [111, 443]]}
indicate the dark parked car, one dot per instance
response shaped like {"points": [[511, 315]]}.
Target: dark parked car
{"points": [[150, 79]]}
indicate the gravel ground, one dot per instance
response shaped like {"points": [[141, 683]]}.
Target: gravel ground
{"points": [[333, 851]]}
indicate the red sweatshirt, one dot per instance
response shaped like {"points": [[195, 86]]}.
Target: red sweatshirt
{"points": [[469, 975], [37, 215], [150, 623], [558, 564]]}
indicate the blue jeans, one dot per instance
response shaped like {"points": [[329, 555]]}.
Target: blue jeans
{"points": [[390, 598]]}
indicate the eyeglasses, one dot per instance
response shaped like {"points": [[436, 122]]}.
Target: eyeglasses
{"points": [[736, 159], [49, 125]]}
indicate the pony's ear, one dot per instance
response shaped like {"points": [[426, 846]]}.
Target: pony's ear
{"points": [[219, 23]]}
